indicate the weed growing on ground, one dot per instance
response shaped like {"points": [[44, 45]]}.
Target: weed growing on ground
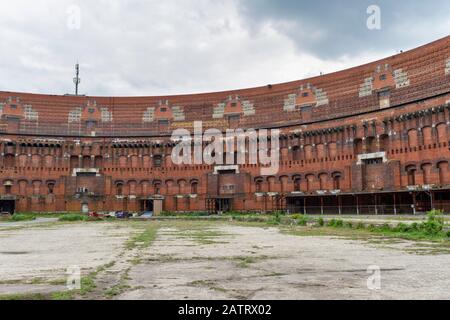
{"points": [[73, 217]]}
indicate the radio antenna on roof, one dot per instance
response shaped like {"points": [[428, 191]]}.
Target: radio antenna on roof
{"points": [[77, 79]]}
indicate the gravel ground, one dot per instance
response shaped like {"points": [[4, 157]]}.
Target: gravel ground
{"points": [[218, 261], [26, 223], [258, 263], [44, 253]]}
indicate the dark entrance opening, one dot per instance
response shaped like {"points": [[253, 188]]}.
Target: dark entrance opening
{"points": [[147, 205], [423, 201], [295, 205], [7, 206], [223, 205]]}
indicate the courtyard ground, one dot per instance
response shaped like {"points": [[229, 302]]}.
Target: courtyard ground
{"points": [[215, 260]]}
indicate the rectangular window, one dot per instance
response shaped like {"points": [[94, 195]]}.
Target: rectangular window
{"points": [[373, 161], [384, 93]]}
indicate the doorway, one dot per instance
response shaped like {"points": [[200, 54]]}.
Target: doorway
{"points": [[8, 206], [147, 205], [295, 204], [223, 205]]}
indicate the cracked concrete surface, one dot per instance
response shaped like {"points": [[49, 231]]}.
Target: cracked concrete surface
{"points": [[204, 260], [282, 266]]}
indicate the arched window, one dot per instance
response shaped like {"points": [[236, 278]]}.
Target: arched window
{"points": [[194, 187], [9, 160], [309, 182], [323, 181], [443, 169], [297, 184], [426, 170], [51, 187], [157, 188], [296, 153], [8, 186], [337, 181], [411, 172], [119, 189], [258, 185], [157, 161]]}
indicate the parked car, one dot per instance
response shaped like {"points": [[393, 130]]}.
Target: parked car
{"points": [[111, 214], [122, 215], [96, 215]]}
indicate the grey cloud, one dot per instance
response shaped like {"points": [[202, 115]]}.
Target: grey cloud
{"points": [[342, 23], [152, 47]]}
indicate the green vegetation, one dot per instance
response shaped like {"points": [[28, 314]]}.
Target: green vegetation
{"points": [[19, 217], [275, 219], [144, 238], [120, 287], [202, 237], [22, 217], [73, 217], [63, 295], [246, 261], [26, 296], [321, 222], [187, 214], [431, 229]]}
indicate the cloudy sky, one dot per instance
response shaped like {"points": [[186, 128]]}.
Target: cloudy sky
{"points": [[146, 47]]}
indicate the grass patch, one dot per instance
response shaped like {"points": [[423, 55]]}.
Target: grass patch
{"points": [[430, 230], [73, 217], [61, 295], [202, 237], [120, 287], [19, 217], [143, 239], [246, 261]]}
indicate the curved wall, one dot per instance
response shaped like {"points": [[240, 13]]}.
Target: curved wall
{"points": [[371, 139]]}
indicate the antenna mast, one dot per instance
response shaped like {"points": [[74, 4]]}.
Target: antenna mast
{"points": [[77, 79]]}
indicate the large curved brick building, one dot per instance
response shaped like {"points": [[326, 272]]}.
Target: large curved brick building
{"points": [[371, 139]]}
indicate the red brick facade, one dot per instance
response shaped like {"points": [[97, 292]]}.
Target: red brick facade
{"points": [[371, 139]]}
